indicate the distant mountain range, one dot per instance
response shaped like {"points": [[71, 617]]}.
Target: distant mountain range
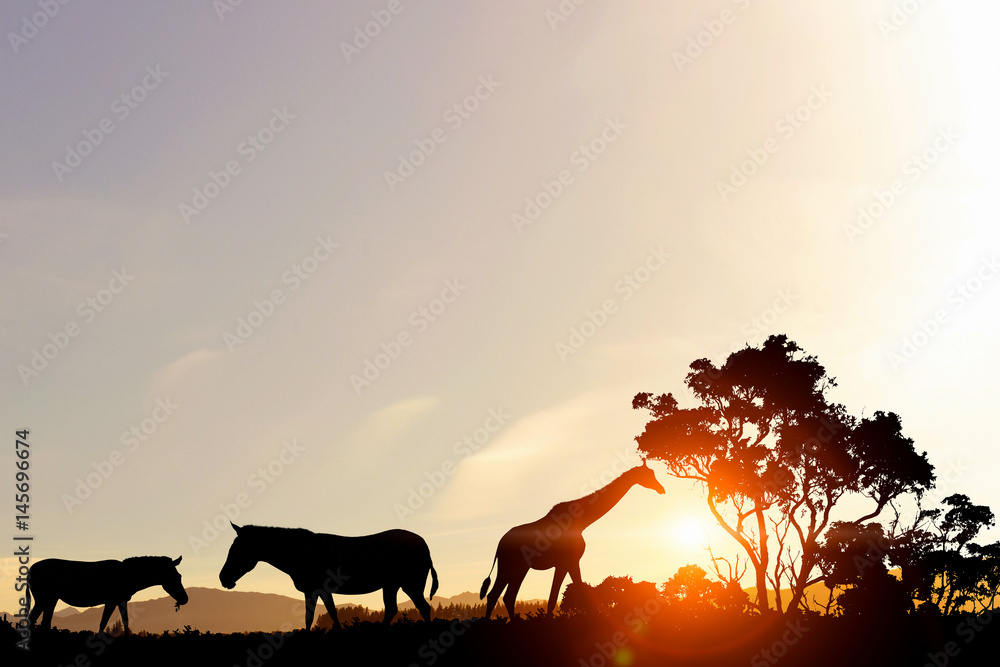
{"points": [[216, 610]]}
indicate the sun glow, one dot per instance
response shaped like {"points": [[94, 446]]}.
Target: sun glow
{"points": [[687, 532]]}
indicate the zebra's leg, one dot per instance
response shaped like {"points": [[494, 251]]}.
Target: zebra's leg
{"points": [[310, 608], [389, 598], [123, 608], [48, 611], [417, 595], [35, 612], [109, 609], [330, 607]]}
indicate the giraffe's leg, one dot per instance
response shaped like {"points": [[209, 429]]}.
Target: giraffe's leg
{"points": [[330, 607], [556, 585], [513, 586], [389, 599], [501, 582], [310, 608], [109, 608], [494, 595], [574, 572]]}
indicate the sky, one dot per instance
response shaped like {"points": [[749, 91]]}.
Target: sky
{"points": [[258, 263]]}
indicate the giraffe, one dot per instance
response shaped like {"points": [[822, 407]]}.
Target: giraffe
{"points": [[556, 540]]}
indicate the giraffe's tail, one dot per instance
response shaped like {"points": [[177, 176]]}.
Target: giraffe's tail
{"points": [[486, 582]]}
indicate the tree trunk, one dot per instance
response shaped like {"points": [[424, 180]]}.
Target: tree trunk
{"points": [[806, 566], [761, 567], [759, 564]]}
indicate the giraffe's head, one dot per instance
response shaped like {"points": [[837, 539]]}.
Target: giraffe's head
{"points": [[644, 477]]}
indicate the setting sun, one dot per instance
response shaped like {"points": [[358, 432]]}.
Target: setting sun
{"points": [[687, 532]]}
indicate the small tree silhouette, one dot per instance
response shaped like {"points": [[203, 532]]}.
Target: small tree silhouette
{"points": [[615, 596], [691, 591], [855, 564], [952, 571], [117, 630]]}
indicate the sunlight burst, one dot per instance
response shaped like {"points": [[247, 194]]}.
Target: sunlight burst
{"points": [[687, 532]]}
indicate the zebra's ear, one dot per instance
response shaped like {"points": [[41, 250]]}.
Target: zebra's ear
{"points": [[235, 527], [178, 561]]}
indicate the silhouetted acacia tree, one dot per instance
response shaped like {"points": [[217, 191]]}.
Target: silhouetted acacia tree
{"points": [[775, 456]]}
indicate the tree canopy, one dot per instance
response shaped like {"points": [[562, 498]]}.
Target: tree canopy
{"points": [[776, 455]]}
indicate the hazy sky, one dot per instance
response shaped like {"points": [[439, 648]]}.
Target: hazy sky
{"points": [[460, 193]]}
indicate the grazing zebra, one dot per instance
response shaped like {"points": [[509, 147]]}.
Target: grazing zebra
{"points": [[108, 582]]}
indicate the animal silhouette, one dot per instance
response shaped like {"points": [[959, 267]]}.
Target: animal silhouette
{"points": [[108, 582], [556, 540], [321, 565]]}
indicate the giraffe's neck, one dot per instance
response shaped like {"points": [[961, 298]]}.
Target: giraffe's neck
{"points": [[592, 507]]}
